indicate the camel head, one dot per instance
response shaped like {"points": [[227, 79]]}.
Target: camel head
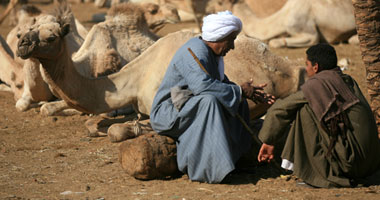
{"points": [[158, 15], [43, 39], [214, 6], [151, 15]]}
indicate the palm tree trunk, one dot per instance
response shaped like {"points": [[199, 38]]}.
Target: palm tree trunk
{"points": [[367, 16]]}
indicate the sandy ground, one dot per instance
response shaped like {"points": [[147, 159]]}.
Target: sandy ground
{"points": [[53, 157]]}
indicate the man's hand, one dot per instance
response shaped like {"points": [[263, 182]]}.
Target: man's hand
{"points": [[266, 153], [247, 89], [256, 93]]}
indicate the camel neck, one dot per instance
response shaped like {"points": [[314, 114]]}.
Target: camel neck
{"points": [[89, 95]]}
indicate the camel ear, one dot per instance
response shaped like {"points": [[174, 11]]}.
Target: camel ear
{"points": [[65, 30]]}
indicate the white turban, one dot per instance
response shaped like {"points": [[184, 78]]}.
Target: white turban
{"points": [[218, 26]]}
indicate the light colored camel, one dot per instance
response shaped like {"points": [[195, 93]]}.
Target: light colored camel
{"points": [[264, 8], [110, 3], [26, 16], [186, 8], [137, 82], [153, 11], [32, 83], [35, 88], [10, 71], [123, 36], [303, 22], [111, 44]]}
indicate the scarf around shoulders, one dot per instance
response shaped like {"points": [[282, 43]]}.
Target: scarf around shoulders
{"points": [[328, 95]]}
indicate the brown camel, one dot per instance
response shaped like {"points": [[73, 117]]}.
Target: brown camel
{"points": [[367, 15], [35, 89], [123, 36], [10, 71], [109, 45], [137, 82]]}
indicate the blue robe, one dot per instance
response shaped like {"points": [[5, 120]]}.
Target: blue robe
{"points": [[210, 139]]}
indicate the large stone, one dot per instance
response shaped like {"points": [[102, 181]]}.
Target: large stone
{"points": [[149, 156]]}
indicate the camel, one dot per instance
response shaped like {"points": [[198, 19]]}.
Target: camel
{"points": [[264, 8], [186, 8], [11, 72], [154, 9], [35, 88], [26, 16], [303, 22], [137, 82], [123, 36], [110, 3]]}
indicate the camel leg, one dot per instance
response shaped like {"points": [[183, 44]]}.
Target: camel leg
{"points": [[128, 130], [300, 40], [354, 39], [59, 107], [25, 101], [10, 7], [98, 125], [5, 88], [35, 89]]}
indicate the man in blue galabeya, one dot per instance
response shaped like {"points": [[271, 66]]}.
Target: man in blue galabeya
{"points": [[198, 105]]}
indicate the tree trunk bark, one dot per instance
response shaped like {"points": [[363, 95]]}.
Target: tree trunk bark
{"points": [[367, 16]]}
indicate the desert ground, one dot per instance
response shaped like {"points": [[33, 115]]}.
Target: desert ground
{"points": [[54, 158]]}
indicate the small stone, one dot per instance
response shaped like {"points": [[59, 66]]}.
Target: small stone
{"points": [[85, 139], [66, 192], [59, 155]]}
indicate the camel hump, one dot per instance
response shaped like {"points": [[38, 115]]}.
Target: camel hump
{"points": [[125, 8], [265, 8]]}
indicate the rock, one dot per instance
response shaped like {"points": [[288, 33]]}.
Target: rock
{"points": [[149, 156]]}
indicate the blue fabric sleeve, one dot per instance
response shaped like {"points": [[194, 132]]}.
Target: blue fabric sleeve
{"points": [[229, 95]]}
